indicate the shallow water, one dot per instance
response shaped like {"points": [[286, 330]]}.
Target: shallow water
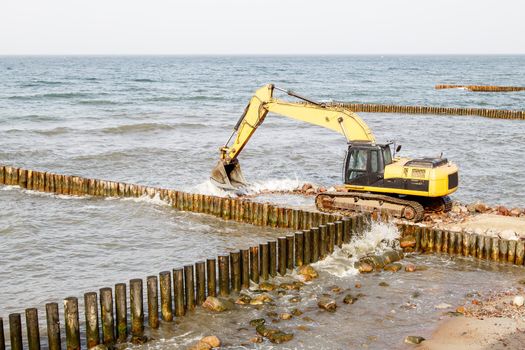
{"points": [[160, 121], [410, 304], [55, 246]]}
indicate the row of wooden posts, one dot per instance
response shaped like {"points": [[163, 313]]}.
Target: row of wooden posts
{"points": [[483, 112], [237, 209], [112, 316], [482, 88], [431, 240]]}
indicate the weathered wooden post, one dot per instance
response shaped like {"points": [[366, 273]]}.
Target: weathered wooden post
{"points": [[503, 249], [289, 252], [307, 246], [178, 291], [53, 327], [33, 331], [254, 264], [495, 249], [315, 243], [472, 243], [339, 233], [211, 277], [488, 247], [264, 260], [106, 316], [520, 253], [152, 287], [299, 251], [91, 314], [273, 258], [235, 268], [347, 229], [166, 307], [511, 255], [281, 243], [438, 241], [189, 286], [15, 331], [121, 309], [480, 247], [72, 323], [331, 237], [245, 267], [446, 238], [323, 241], [200, 281], [224, 275], [137, 310], [2, 336]]}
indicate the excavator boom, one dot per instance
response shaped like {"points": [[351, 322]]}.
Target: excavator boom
{"points": [[227, 174]]}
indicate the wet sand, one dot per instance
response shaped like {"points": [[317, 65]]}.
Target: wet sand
{"points": [[492, 323]]}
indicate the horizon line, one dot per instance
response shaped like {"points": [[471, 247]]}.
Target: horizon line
{"points": [[255, 54]]}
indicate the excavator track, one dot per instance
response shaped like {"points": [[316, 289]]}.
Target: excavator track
{"points": [[351, 202]]}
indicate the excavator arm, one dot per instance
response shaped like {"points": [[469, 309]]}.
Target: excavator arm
{"points": [[227, 173]]}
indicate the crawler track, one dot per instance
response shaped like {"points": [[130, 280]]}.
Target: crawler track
{"points": [[349, 202]]}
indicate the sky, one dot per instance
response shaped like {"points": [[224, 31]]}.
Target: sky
{"points": [[262, 27]]}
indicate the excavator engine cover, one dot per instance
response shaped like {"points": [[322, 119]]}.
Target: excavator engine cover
{"points": [[228, 176]]}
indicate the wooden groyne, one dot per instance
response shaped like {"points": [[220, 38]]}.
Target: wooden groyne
{"points": [[481, 88], [430, 240], [482, 112], [123, 313]]}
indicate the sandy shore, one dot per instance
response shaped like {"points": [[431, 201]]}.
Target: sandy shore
{"points": [[492, 323]]}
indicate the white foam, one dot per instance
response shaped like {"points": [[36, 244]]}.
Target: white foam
{"points": [[256, 187], [143, 199], [379, 238]]}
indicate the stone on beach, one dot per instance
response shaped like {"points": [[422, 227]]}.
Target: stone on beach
{"points": [[518, 301], [407, 242], [410, 267], [276, 336], [308, 272], [206, 343], [327, 304], [414, 339], [215, 304], [394, 267], [260, 299]]}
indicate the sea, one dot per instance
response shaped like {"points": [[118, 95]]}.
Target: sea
{"points": [[160, 120]]}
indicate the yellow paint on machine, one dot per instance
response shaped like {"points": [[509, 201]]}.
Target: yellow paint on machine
{"points": [[437, 179]]}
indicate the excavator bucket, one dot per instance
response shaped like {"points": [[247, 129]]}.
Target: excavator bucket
{"points": [[228, 176]]}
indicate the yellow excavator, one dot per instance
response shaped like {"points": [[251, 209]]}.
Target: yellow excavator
{"points": [[374, 179]]}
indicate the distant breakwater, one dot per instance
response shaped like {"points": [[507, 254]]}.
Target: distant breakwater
{"points": [[481, 88], [482, 112]]}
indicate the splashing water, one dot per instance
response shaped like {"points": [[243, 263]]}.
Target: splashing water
{"points": [[379, 238], [256, 187]]}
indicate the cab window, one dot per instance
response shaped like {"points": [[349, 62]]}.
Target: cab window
{"points": [[356, 163], [387, 155]]}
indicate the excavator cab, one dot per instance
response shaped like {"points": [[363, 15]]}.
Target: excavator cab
{"points": [[365, 163]]}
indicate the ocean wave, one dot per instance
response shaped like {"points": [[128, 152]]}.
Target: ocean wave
{"points": [[41, 82], [184, 98], [149, 127], [145, 80], [55, 131], [136, 128], [97, 102], [53, 95]]}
